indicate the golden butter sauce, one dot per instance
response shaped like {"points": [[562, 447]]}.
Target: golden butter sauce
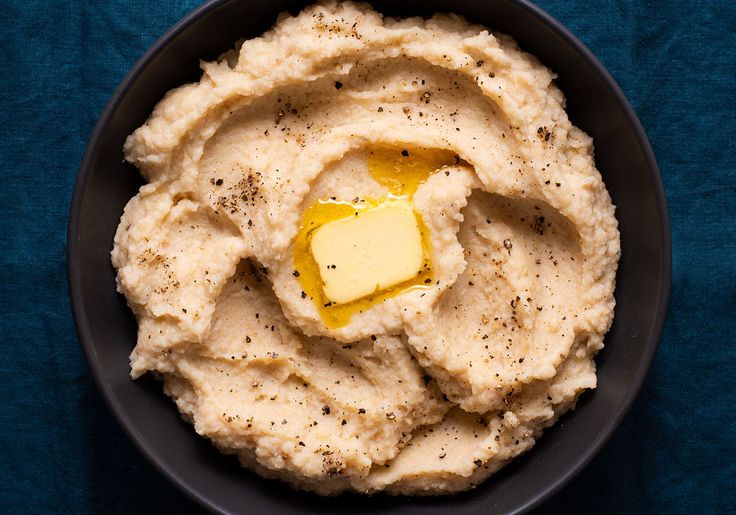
{"points": [[400, 171]]}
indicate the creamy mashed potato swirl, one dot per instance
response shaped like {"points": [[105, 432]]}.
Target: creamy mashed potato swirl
{"points": [[423, 388]]}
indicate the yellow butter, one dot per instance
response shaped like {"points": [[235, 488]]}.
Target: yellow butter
{"points": [[370, 251]]}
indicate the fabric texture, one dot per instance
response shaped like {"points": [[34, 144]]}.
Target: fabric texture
{"points": [[62, 452]]}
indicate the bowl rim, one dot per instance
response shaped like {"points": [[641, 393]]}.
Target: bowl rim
{"points": [[87, 341]]}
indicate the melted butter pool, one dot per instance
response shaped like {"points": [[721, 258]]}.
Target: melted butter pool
{"points": [[400, 171]]}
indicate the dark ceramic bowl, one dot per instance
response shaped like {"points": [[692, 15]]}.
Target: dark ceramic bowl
{"points": [[107, 329]]}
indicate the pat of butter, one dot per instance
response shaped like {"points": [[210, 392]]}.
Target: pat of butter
{"points": [[372, 251]]}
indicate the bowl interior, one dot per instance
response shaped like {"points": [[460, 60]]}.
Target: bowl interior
{"points": [[107, 329]]}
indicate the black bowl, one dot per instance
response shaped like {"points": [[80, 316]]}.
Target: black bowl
{"points": [[107, 328]]}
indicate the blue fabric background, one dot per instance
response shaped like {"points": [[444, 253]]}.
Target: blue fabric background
{"points": [[61, 451]]}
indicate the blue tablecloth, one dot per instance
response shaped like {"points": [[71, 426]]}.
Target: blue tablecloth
{"points": [[61, 451]]}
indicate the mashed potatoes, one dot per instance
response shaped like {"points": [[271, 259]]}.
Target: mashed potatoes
{"points": [[433, 380]]}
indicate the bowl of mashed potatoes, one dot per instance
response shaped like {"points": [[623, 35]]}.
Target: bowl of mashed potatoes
{"points": [[367, 250]]}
